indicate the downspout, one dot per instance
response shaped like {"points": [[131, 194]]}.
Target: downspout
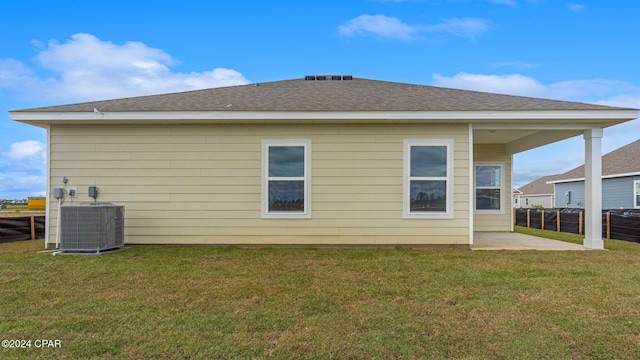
{"points": [[58, 225], [48, 194]]}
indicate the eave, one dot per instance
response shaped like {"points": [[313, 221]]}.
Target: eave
{"points": [[490, 119], [612, 176]]}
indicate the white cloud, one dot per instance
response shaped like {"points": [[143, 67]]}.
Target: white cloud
{"points": [[589, 89], [377, 25], [604, 91], [514, 84], [516, 3], [620, 135], [503, 2], [463, 27], [20, 185], [11, 70], [22, 170], [623, 100], [515, 64], [576, 7], [393, 28], [26, 150], [533, 164], [85, 68]]}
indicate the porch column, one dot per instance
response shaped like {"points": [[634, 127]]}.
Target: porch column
{"points": [[593, 188]]}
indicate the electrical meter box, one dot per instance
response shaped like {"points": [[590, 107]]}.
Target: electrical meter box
{"points": [[58, 193]]}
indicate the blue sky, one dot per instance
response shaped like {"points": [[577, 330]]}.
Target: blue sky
{"points": [[57, 52]]}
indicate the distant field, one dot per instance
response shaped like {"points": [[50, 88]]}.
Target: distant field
{"points": [[19, 210], [21, 213]]}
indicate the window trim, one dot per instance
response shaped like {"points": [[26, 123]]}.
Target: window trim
{"points": [[266, 144], [406, 187], [635, 194], [502, 166]]}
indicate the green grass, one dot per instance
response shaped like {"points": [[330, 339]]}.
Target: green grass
{"points": [[562, 236], [230, 303]]}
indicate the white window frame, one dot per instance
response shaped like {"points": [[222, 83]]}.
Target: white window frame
{"points": [[266, 144], [407, 178], [635, 194], [501, 164]]}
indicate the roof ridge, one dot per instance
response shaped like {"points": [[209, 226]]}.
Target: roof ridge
{"points": [[359, 94]]}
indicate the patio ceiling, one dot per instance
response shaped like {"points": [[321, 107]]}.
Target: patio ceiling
{"points": [[522, 140]]}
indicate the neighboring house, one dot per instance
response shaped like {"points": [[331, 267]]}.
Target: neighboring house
{"points": [[620, 181], [314, 161], [537, 192], [514, 195]]}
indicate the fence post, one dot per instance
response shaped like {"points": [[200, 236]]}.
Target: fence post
{"points": [[558, 220], [542, 226], [580, 223], [528, 218], [608, 224], [33, 227]]}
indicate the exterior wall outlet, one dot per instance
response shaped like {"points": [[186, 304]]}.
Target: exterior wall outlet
{"points": [[73, 191]]}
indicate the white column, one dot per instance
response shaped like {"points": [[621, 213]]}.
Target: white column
{"points": [[593, 189], [472, 193]]}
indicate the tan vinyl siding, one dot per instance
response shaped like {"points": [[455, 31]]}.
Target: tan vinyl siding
{"points": [[495, 222], [201, 184]]}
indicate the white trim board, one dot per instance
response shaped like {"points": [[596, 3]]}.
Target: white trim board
{"points": [[603, 176]]}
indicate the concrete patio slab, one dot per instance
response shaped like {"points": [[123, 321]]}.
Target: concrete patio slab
{"points": [[515, 241]]}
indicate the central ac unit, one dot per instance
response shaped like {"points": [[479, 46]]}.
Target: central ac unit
{"points": [[91, 227]]}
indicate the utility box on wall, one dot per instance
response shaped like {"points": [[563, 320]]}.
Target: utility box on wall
{"points": [[91, 227]]}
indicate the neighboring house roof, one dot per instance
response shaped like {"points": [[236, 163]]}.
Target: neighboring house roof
{"points": [[324, 95], [539, 186], [623, 161]]}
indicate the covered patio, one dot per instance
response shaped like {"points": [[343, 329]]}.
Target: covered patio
{"points": [[515, 241], [546, 128]]}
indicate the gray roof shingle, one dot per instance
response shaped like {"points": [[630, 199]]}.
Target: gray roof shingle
{"points": [[623, 160], [326, 95], [539, 186]]}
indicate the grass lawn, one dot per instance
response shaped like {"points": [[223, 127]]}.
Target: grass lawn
{"points": [[229, 303], [555, 235]]}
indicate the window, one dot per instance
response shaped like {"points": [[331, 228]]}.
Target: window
{"points": [[428, 174], [286, 178], [636, 194], [489, 187]]}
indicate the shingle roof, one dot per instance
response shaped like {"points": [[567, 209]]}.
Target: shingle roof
{"points": [[538, 186], [624, 160], [325, 95]]}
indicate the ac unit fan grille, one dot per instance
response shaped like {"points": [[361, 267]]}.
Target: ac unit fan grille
{"points": [[91, 227]]}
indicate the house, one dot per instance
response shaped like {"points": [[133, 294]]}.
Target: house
{"points": [[620, 181], [314, 161], [538, 192], [514, 196]]}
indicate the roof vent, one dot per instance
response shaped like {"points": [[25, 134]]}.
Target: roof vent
{"points": [[327, 77]]}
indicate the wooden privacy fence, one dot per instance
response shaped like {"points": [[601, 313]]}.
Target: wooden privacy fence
{"points": [[21, 228], [623, 224]]}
